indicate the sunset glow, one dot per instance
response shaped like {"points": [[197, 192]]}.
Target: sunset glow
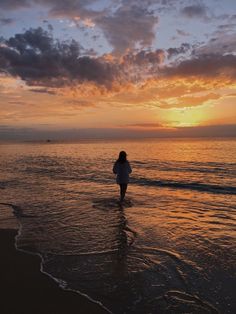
{"points": [[127, 66], [118, 156]]}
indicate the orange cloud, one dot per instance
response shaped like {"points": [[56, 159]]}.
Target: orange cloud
{"points": [[137, 88]]}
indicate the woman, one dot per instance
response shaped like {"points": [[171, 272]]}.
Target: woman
{"points": [[122, 170]]}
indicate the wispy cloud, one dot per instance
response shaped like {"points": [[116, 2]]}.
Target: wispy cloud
{"points": [[6, 21], [195, 11], [221, 43], [14, 4], [172, 52], [42, 90], [145, 125], [205, 65], [129, 27]]}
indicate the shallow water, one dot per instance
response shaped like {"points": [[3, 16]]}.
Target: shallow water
{"points": [[169, 249]]}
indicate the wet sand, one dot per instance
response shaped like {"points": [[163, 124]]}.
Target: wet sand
{"points": [[25, 290]]}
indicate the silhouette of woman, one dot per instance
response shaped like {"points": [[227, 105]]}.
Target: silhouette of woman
{"points": [[122, 170]]}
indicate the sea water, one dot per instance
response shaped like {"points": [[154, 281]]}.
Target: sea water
{"points": [[170, 248]]}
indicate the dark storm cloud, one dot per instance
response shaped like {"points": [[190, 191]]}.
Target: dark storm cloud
{"points": [[210, 65], [39, 60], [172, 52], [33, 40], [195, 11]]}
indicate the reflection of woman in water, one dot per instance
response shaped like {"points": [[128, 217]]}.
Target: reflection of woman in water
{"points": [[122, 170]]}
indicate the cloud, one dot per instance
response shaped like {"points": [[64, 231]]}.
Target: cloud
{"points": [[182, 32], [35, 134], [56, 7], [233, 17], [128, 27], [58, 68], [142, 65], [42, 90], [172, 52], [145, 125], [227, 27], [6, 21], [38, 59], [228, 130], [61, 67], [195, 11], [205, 66], [221, 43], [14, 4], [124, 26], [189, 101]]}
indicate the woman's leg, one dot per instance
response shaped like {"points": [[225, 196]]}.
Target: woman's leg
{"points": [[123, 188]]}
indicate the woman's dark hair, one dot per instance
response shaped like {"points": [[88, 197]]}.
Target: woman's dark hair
{"points": [[122, 157]]}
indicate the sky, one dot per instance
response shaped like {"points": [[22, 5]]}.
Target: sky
{"points": [[103, 68]]}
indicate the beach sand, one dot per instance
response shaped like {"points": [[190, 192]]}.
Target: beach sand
{"points": [[25, 290]]}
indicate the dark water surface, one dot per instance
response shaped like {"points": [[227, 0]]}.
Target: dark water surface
{"points": [[169, 249]]}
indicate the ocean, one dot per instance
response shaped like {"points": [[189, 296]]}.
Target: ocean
{"points": [[169, 249]]}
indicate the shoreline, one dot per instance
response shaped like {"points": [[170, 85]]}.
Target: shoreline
{"points": [[26, 290]]}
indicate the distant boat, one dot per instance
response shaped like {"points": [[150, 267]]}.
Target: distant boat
{"points": [[48, 141]]}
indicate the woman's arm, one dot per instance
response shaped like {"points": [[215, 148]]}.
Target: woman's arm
{"points": [[115, 168], [129, 168]]}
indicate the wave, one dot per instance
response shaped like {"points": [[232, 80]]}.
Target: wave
{"points": [[18, 211], [189, 166], [201, 187]]}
